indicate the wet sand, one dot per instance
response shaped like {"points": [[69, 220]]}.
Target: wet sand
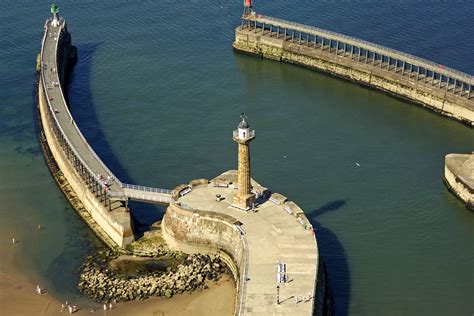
{"points": [[18, 297]]}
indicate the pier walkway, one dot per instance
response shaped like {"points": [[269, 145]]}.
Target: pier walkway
{"points": [[457, 82], [280, 261], [100, 179]]}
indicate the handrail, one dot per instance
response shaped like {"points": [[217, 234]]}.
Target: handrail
{"points": [[144, 188], [243, 276], [117, 194], [110, 173], [439, 68], [50, 107]]}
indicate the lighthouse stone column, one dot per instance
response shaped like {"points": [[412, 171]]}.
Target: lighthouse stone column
{"points": [[243, 135]]}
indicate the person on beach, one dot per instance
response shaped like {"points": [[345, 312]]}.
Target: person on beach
{"points": [[13, 241], [70, 309], [105, 307], [110, 305]]}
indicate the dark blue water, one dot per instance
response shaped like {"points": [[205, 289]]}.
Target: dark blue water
{"points": [[157, 91]]}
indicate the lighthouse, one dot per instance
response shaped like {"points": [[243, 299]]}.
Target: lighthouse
{"points": [[55, 14], [243, 135], [247, 8]]}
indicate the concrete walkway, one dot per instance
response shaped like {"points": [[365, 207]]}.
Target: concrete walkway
{"points": [[273, 235]]}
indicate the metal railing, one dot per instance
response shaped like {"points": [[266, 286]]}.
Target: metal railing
{"points": [[145, 188], [243, 274], [251, 134], [60, 29], [94, 173], [333, 35], [148, 197]]}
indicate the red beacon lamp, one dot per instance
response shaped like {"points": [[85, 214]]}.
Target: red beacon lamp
{"points": [[247, 7]]}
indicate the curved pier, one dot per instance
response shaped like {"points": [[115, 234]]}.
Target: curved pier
{"points": [[442, 89], [104, 196]]}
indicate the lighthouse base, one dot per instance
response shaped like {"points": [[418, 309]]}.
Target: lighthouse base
{"points": [[244, 202]]}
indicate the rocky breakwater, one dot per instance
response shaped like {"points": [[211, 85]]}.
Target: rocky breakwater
{"points": [[101, 280]]}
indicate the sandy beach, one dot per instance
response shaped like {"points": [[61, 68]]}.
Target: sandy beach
{"points": [[18, 297]]}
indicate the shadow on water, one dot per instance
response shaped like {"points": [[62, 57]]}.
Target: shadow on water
{"points": [[82, 107], [334, 256]]}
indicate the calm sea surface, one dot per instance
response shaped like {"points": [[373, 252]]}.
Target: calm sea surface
{"points": [[157, 91]]}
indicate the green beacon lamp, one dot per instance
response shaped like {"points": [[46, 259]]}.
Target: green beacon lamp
{"points": [[54, 12]]}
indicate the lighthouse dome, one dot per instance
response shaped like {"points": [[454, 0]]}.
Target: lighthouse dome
{"points": [[243, 124]]}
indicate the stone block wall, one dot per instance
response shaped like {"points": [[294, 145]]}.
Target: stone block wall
{"points": [[192, 230], [417, 91]]}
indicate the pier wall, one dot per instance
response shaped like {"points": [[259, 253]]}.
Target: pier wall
{"points": [[197, 231], [390, 78], [459, 177], [111, 231]]}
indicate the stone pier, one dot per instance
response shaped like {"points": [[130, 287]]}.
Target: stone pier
{"points": [[459, 177], [201, 219]]}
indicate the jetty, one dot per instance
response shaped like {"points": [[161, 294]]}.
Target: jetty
{"points": [[444, 90], [99, 189], [265, 240]]}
